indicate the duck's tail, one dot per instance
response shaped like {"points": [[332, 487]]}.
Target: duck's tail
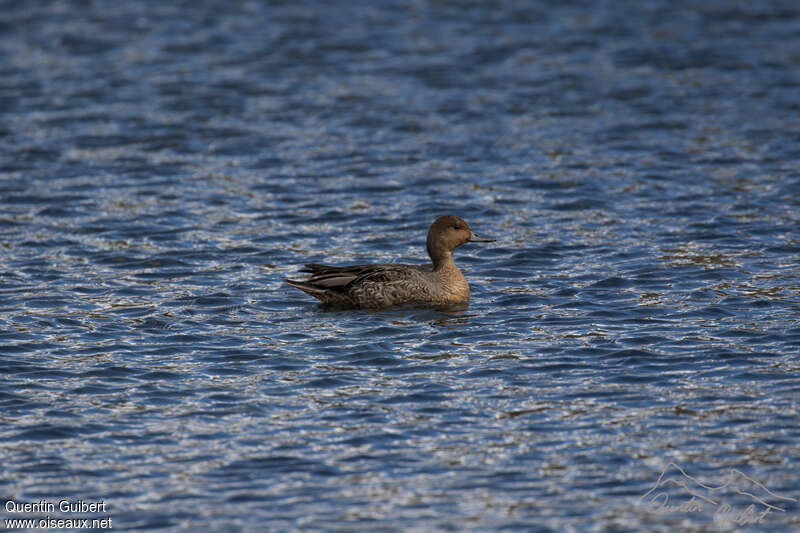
{"points": [[326, 296], [307, 288]]}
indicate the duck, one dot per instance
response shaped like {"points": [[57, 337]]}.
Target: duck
{"points": [[379, 286]]}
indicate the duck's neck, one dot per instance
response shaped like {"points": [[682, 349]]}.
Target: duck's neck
{"points": [[450, 278], [443, 260]]}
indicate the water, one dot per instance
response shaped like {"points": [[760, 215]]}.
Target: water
{"points": [[164, 166]]}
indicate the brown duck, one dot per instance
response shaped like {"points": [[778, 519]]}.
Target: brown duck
{"points": [[377, 286]]}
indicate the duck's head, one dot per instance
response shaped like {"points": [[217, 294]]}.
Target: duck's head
{"points": [[448, 233]]}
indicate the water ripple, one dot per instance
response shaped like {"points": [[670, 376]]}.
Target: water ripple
{"points": [[163, 168]]}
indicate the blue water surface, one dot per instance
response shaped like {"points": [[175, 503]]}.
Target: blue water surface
{"points": [[164, 166]]}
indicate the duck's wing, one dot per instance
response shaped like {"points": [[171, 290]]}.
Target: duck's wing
{"points": [[331, 277], [337, 278]]}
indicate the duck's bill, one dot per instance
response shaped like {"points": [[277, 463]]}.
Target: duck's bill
{"points": [[474, 237]]}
